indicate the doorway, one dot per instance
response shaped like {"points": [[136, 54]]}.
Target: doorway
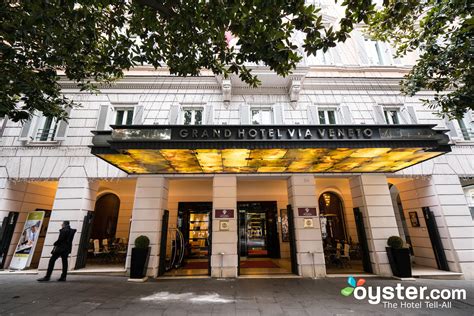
{"points": [[342, 252], [6, 234], [188, 246], [100, 247], [258, 239]]}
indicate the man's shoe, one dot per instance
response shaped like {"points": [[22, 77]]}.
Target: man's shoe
{"points": [[45, 279], [62, 280]]}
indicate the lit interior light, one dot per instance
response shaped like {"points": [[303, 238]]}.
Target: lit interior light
{"points": [[242, 160], [327, 199]]}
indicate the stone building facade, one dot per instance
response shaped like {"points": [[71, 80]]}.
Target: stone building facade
{"points": [[48, 165]]}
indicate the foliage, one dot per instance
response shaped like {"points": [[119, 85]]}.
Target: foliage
{"points": [[395, 242], [443, 32], [142, 242], [93, 41]]}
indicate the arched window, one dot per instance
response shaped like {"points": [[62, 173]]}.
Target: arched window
{"points": [[105, 217], [330, 207]]}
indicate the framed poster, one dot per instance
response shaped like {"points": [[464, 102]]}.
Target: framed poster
{"points": [[26, 245], [285, 231], [414, 219]]}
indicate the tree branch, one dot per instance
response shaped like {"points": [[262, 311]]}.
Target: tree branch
{"points": [[158, 6]]}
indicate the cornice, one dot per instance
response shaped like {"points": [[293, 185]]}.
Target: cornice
{"points": [[324, 77]]}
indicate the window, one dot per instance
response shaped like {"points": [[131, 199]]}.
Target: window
{"points": [[192, 116], [327, 116], [261, 116], [374, 52], [124, 116], [46, 129], [464, 130], [391, 116]]}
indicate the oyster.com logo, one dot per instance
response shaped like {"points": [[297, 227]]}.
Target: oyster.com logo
{"points": [[403, 296], [352, 285]]}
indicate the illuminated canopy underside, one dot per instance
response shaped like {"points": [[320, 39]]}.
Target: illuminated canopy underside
{"points": [[141, 156]]}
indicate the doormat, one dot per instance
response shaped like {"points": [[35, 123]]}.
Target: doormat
{"points": [[259, 264], [258, 252], [196, 265]]}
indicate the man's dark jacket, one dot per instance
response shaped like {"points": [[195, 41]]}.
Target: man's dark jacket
{"points": [[64, 242]]}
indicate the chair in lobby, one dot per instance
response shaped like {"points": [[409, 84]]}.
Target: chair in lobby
{"points": [[345, 256]]}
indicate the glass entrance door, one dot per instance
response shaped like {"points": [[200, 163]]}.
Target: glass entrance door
{"points": [[259, 241], [188, 246], [256, 234], [198, 234]]}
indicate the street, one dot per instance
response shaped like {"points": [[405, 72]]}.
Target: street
{"points": [[113, 295]]}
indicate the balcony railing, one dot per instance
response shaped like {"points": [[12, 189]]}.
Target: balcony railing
{"points": [[45, 135]]}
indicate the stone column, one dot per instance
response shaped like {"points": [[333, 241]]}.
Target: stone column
{"points": [[309, 245], [74, 198], [444, 195], [151, 199], [224, 259], [371, 194]]}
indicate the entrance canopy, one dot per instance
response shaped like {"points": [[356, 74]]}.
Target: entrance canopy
{"points": [[153, 149]]}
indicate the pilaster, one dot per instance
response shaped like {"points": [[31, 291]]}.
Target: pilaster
{"points": [[309, 245], [372, 195], [224, 259], [151, 199]]}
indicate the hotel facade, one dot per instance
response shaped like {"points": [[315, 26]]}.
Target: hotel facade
{"points": [[307, 175]]}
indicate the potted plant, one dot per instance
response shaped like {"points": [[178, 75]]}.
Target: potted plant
{"points": [[140, 255], [398, 257]]}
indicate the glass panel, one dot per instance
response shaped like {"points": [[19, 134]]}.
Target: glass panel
{"points": [[386, 117], [331, 117], [197, 117], [46, 129], [256, 119], [266, 116], [465, 132], [187, 117], [322, 118], [372, 52], [129, 117], [395, 117], [198, 234], [256, 234], [119, 117]]}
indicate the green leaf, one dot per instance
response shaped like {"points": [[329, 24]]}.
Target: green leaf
{"points": [[347, 291]]}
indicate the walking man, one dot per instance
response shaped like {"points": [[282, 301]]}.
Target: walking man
{"points": [[62, 248]]}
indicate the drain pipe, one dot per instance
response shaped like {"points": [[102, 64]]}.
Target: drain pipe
{"points": [[222, 263]]}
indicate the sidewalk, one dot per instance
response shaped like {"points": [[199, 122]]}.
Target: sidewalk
{"points": [[101, 295]]}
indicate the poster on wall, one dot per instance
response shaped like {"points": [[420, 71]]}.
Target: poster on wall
{"points": [[28, 239]]}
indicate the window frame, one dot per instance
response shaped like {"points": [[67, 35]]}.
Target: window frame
{"points": [[38, 124], [397, 110], [263, 109], [183, 110], [126, 109], [378, 52], [326, 111]]}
